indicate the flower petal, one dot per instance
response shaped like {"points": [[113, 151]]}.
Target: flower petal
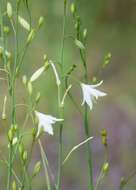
{"points": [[97, 93], [48, 129], [96, 85]]}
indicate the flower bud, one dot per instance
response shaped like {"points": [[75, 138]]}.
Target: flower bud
{"points": [[31, 36], [37, 74], [104, 137], [122, 182], [9, 10], [24, 80], [4, 108], [10, 135], [38, 97], [8, 54], [34, 132], [94, 80], [21, 149], [104, 132], [45, 57], [85, 33], [72, 68], [15, 139], [105, 168], [24, 23], [37, 168], [15, 127], [14, 186], [41, 21], [24, 156], [73, 8], [30, 88], [107, 59], [6, 29]]}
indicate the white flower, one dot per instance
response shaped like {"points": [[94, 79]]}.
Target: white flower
{"points": [[45, 122], [90, 93]]}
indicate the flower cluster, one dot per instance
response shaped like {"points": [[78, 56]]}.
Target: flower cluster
{"points": [[90, 95]]}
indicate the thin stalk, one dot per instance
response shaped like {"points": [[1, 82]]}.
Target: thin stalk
{"points": [[44, 159], [86, 126], [100, 177], [9, 168], [61, 109], [12, 96]]}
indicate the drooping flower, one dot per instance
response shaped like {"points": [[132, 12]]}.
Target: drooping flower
{"points": [[90, 94], [45, 122]]}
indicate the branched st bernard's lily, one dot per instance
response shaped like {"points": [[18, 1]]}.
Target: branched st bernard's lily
{"points": [[90, 94], [45, 122]]}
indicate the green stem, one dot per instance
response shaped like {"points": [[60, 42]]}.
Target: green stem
{"points": [[44, 159], [61, 109], [9, 168], [86, 126], [12, 95], [100, 177], [89, 152]]}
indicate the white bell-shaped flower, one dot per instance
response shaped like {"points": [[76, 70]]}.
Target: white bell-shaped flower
{"points": [[45, 122], [90, 94]]}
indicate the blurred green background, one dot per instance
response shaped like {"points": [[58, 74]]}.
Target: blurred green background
{"points": [[111, 28]]}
